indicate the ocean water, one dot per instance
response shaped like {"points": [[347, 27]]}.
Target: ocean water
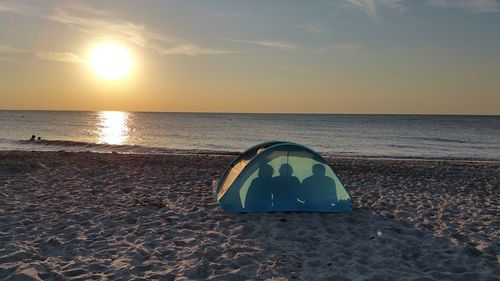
{"points": [[414, 136]]}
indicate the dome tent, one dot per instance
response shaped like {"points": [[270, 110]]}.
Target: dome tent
{"points": [[281, 176]]}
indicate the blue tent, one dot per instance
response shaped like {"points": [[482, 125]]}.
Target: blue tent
{"points": [[281, 176]]}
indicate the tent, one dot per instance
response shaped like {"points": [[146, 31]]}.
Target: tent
{"points": [[281, 176]]}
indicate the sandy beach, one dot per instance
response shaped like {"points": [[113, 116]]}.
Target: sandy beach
{"points": [[89, 216]]}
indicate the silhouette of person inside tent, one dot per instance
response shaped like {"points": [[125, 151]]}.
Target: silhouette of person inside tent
{"points": [[259, 193], [318, 189], [285, 188]]}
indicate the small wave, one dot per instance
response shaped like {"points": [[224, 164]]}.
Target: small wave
{"points": [[75, 144], [402, 146], [58, 143], [102, 147], [442, 140]]}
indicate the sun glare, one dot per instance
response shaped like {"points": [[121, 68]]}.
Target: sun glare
{"points": [[110, 61], [113, 127]]}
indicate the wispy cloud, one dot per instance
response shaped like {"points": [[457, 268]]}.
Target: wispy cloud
{"points": [[59, 57], [137, 34], [192, 50], [9, 7], [65, 57], [268, 43], [9, 49], [371, 7], [91, 25], [23, 8], [470, 5], [95, 22]]}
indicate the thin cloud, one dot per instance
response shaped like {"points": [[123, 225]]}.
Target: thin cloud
{"points": [[371, 7], [470, 5], [132, 33], [136, 34], [18, 7], [65, 57], [59, 57], [192, 50], [9, 49], [11, 7], [395, 5], [268, 43], [94, 22], [85, 8]]}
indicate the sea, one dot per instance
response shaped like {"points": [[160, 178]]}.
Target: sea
{"points": [[379, 136]]}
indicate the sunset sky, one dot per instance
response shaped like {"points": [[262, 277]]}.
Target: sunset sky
{"points": [[344, 56]]}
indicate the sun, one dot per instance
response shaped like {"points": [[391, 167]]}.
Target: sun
{"points": [[110, 61]]}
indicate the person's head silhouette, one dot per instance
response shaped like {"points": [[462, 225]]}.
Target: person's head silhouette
{"points": [[266, 171], [286, 170], [318, 170]]}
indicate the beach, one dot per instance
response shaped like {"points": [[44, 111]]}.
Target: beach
{"points": [[108, 216]]}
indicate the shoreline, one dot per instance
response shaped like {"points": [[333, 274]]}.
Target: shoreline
{"points": [[83, 215], [327, 155]]}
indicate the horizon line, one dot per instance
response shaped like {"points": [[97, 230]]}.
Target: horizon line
{"points": [[269, 113]]}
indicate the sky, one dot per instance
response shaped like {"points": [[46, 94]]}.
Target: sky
{"points": [[337, 56]]}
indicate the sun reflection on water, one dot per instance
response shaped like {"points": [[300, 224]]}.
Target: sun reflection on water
{"points": [[113, 127]]}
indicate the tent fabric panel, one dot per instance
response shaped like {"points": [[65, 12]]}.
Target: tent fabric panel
{"points": [[256, 186], [235, 196], [231, 176], [325, 183], [238, 164]]}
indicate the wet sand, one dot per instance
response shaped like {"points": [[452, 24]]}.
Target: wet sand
{"points": [[88, 216]]}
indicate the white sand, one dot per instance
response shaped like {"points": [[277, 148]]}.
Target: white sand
{"points": [[85, 216]]}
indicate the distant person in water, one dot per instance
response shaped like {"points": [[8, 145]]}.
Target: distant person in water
{"points": [[39, 138], [285, 188], [318, 189], [32, 137], [259, 193]]}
